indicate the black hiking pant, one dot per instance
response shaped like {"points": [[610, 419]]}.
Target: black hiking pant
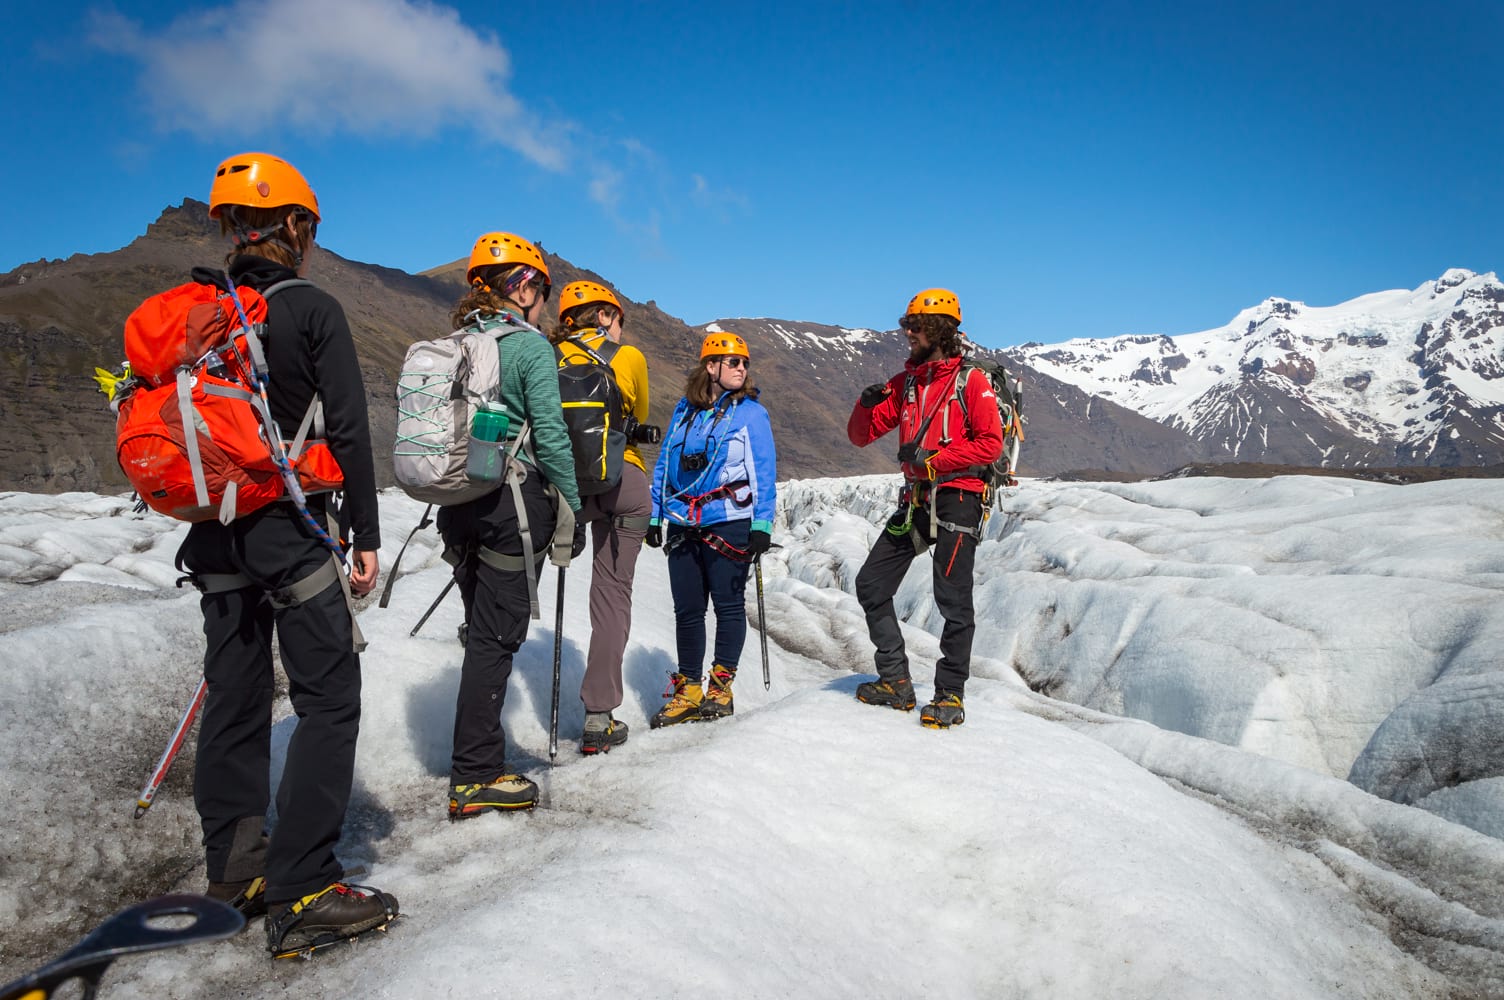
{"points": [[954, 554], [498, 613], [700, 577], [232, 778]]}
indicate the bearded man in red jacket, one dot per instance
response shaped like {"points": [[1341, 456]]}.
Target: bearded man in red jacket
{"points": [[949, 430]]}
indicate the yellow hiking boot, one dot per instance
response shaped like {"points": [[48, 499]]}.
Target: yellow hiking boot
{"points": [[682, 706], [717, 703]]}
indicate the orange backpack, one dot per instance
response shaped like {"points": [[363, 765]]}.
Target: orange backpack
{"points": [[197, 350]]}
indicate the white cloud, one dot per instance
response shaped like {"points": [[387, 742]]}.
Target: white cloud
{"points": [[720, 201], [367, 67]]}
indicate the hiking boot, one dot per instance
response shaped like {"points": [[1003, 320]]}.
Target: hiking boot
{"points": [[336, 913], [897, 694], [717, 702], [683, 706], [249, 897], [943, 711], [510, 791], [602, 732]]}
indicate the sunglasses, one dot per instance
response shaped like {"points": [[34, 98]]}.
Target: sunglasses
{"points": [[735, 361], [908, 323]]}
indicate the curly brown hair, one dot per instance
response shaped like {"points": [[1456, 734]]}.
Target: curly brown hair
{"points": [[943, 332], [484, 299]]}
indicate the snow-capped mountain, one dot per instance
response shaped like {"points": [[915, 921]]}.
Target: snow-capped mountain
{"points": [[1397, 377], [814, 373]]}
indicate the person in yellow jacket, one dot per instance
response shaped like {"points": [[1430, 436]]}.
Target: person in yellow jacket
{"points": [[590, 329]]}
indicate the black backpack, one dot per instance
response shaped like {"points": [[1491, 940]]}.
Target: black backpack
{"points": [[1010, 409], [594, 413]]}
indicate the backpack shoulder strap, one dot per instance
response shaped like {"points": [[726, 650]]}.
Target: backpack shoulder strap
{"points": [[494, 327], [963, 376], [289, 283], [601, 357]]}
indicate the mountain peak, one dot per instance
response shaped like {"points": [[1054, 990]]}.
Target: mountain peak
{"points": [[190, 219], [1451, 278]]}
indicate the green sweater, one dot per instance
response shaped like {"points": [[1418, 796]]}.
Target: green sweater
{"points": [[530, 387]]}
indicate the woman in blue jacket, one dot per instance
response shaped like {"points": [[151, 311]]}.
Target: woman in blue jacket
{"points": [[714, 494]]}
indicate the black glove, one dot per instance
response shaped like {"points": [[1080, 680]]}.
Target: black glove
{"points": [[874, 394], [654, 537], [578, 545], [758, 542]]}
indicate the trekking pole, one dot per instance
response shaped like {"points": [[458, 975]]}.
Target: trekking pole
{"points": [[434, 606], [149, 790], [553, 715], [762, 624], [143, 927]]}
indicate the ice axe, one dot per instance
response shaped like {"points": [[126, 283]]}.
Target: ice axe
{"points": [[148, 926]]}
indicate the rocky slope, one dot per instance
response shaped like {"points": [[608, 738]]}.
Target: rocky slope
{"points": [[59, 319]]}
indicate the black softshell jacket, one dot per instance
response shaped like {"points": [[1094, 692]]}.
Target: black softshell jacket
{"points": [[309, 350]]}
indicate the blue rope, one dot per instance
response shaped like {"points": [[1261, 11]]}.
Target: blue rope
{"points": [[279, 453]]}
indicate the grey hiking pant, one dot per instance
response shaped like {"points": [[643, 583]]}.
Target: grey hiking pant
{"points": [[614, 549]]}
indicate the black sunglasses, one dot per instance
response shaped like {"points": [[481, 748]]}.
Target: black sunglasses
{"points": [[735, 361]]}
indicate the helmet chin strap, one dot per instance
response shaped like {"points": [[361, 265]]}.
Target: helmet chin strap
{"points": [[244, 236]]}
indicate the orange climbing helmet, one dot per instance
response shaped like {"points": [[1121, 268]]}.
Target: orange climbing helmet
{"points": [[723, 343], [494, 249], [260, 180], [935, 300], [585, 293]]}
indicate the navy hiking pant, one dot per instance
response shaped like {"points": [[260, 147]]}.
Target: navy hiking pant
{"points": [[232, 777], [498, 613], [954, 555], [698, 573]]}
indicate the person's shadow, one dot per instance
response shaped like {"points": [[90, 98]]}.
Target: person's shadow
{"points": [[430, 707], [645, 675]]}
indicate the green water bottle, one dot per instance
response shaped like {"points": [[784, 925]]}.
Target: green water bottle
{"points": [[488, 442]]}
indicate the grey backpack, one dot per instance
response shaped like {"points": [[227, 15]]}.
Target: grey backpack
{"points": [[442, 384]]}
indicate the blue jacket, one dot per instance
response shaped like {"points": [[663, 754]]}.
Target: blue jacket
{"points": [[736, 441]]}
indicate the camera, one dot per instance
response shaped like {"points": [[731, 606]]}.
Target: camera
{"points": [[640, 433], [694, 462]]}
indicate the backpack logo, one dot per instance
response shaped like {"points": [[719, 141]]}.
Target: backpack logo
{"points": [[194, 433], [594, 413]]}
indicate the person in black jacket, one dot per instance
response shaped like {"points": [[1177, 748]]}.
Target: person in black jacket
{"points": [[276, 568]]}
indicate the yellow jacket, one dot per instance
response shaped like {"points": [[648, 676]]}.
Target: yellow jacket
{"points": [[631, 370]]}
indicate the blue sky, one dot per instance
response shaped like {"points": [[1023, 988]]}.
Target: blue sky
{"points": [[1067, 169]]}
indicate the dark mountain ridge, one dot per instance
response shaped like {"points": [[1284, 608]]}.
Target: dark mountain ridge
{"points": [[59, 319]]}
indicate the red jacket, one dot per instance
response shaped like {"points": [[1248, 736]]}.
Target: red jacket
{"points": [[976, 438]]}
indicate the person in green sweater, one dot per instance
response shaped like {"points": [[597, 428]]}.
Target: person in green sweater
{"points": [[484, 538]]}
